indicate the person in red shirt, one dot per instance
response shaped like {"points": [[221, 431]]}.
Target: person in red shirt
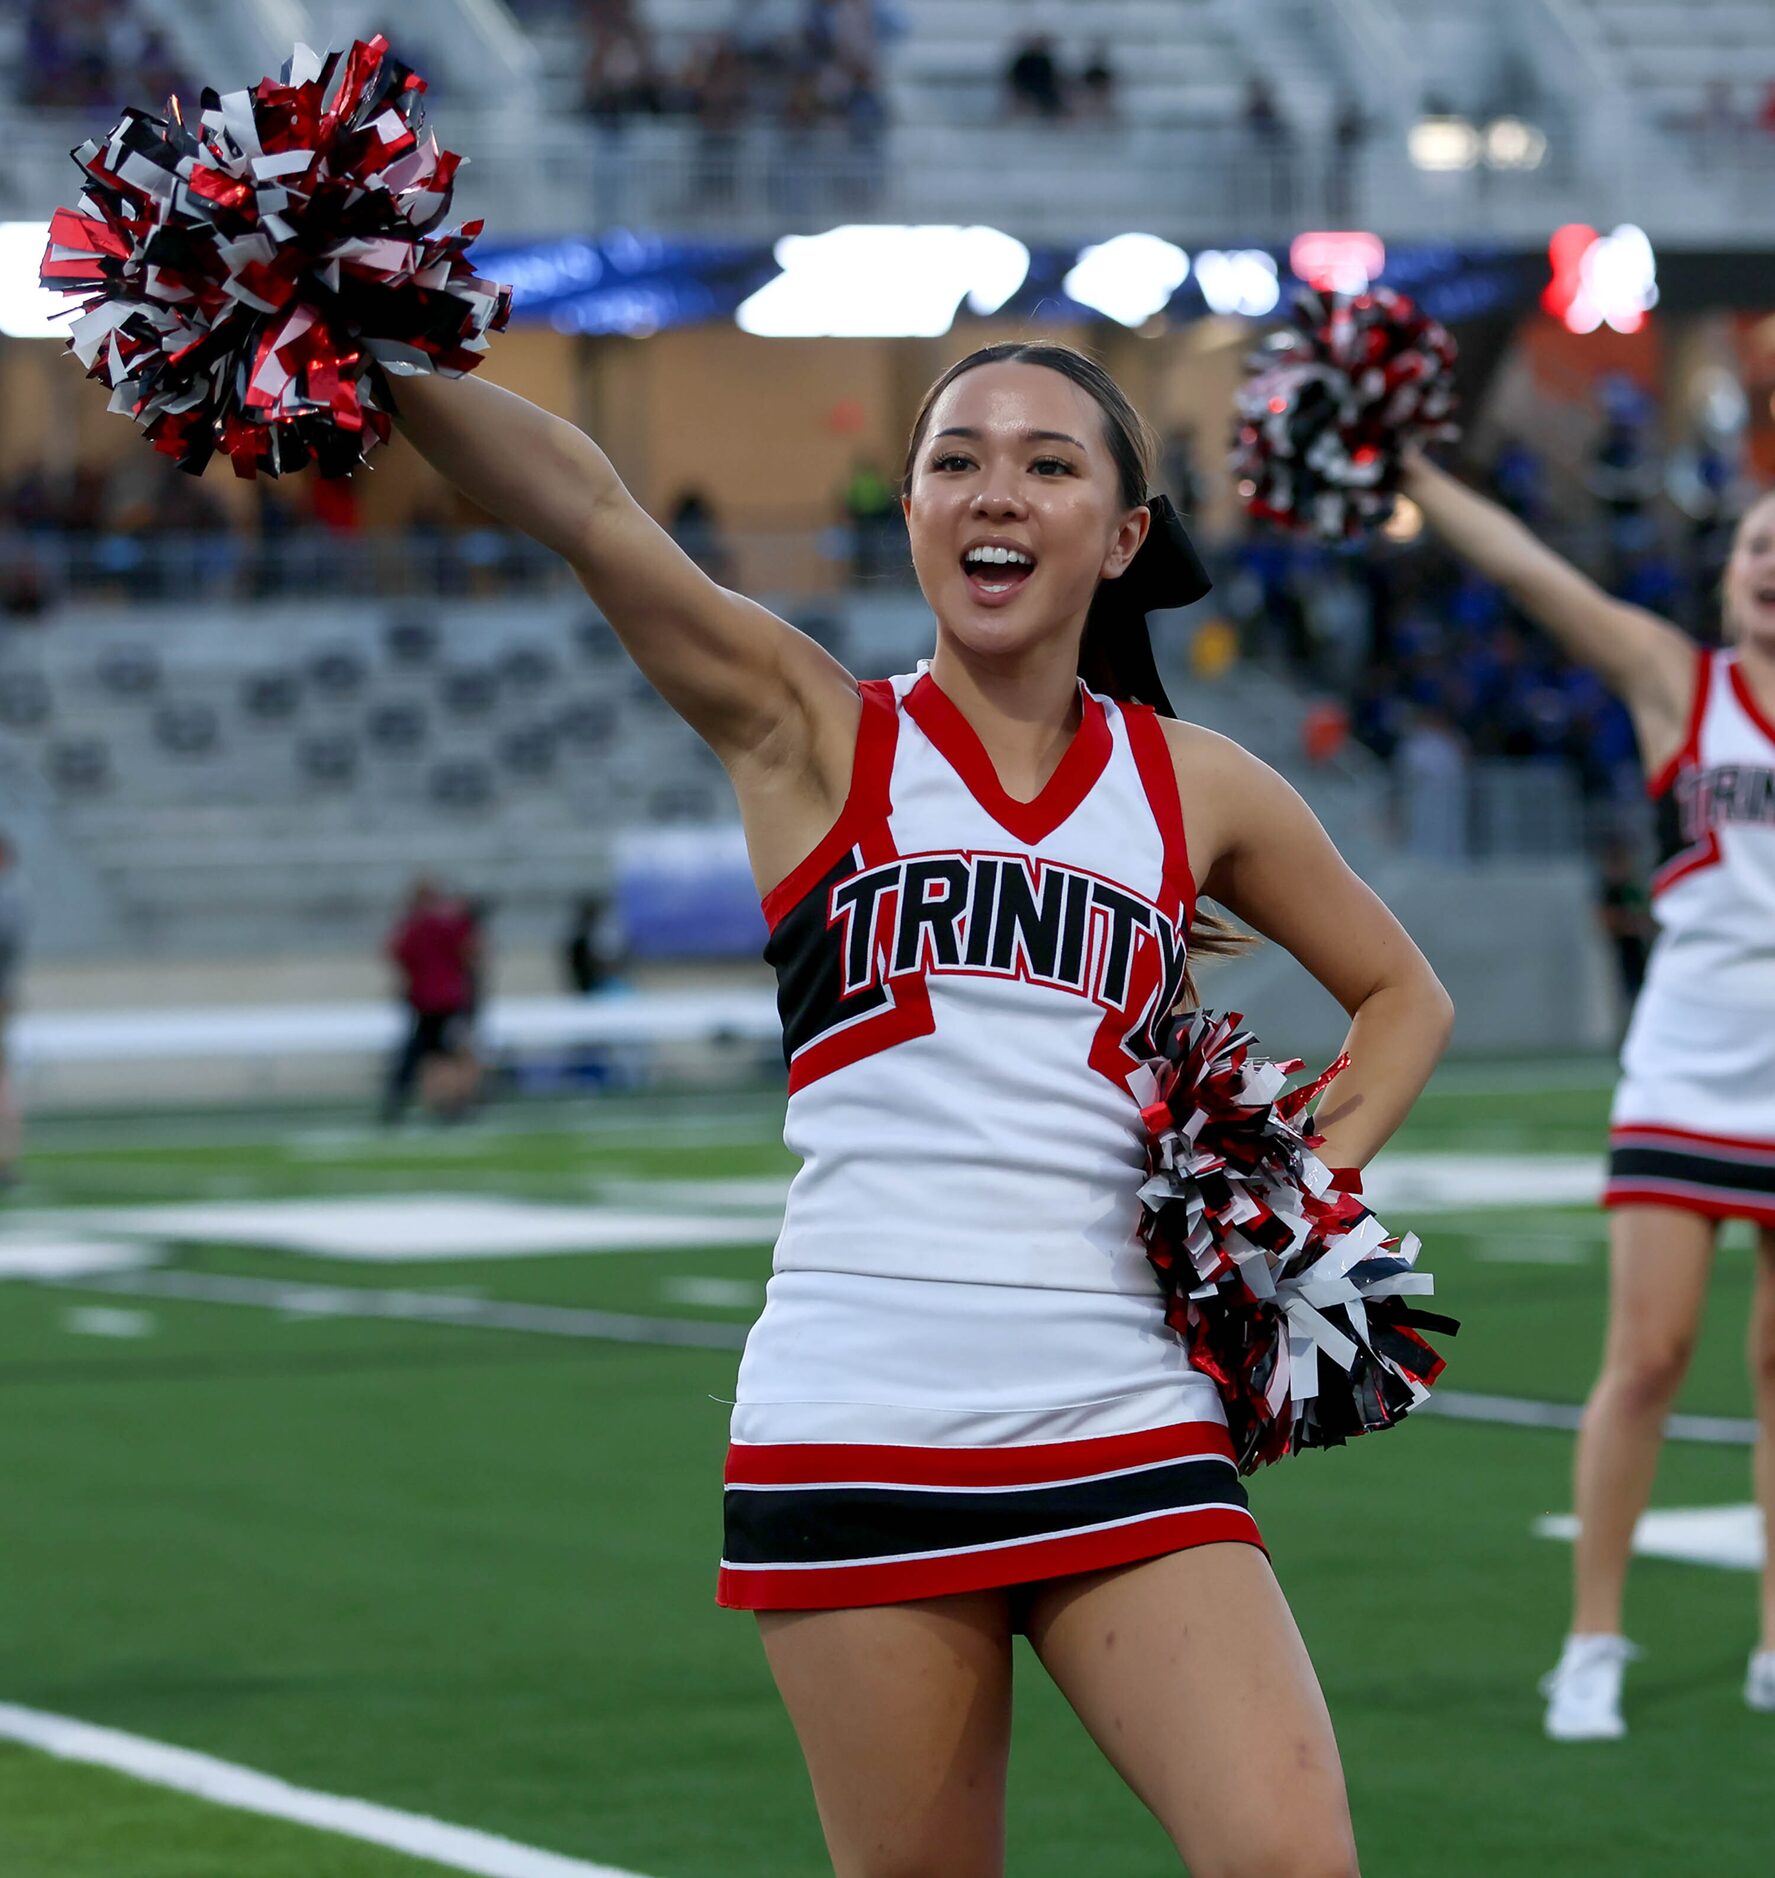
{"points": [[435, 949]]}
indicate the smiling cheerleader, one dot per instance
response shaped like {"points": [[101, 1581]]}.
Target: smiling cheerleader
{"points": [[1692, 1136], [1061, 1261], [963, 1414]]}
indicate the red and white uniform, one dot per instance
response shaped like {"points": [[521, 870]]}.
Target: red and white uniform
{"points": [[1693, 1124], [962, 1376]]}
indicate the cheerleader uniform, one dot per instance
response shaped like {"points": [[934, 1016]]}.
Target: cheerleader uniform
{"points": [[1693, 1124], [962, 1377]]}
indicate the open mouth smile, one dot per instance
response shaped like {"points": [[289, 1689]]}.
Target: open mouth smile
{"points": [[996, 570]]}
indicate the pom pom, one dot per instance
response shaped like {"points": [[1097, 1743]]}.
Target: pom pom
{"points": [[246, 281], [1329, 408], [1291, 1294]]}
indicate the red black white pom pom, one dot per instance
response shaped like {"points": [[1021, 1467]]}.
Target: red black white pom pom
{"points": [[247, 280], [1330, 406], [1293, 1297]]}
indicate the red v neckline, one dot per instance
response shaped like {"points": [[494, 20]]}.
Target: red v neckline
{"points": [[958, 743]]}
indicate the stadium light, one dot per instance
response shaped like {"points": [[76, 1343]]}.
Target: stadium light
{"points": [[1338, 260], [1241, 281], [26, 309], [1512, 143], [884, 283], [1130, 278], [1601, 279], [1443, 143]]}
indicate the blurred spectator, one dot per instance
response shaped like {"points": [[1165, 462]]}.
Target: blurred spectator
{"points": [[12, 951], [1097, 99], [1430, 774], [622, 76], [435, 950], [1268, 148], [1033, 82], [1625, 909], [696, 528], [1349, 132], [595, 948], [93, 55], [877, 524]]}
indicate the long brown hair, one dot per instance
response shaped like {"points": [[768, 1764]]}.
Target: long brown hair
{"points": [[1133, 449]]}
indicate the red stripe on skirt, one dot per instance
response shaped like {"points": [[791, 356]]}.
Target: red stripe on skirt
{"points": [[841, 1587], [1041, 1463], [1710, 1202], [1655, 1132]]}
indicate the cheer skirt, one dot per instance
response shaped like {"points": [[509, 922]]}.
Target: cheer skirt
{"points": [[1693, 1123], [898, 1438]]}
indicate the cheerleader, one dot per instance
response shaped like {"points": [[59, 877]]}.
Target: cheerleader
{"points": [[1692, 1133], [961, 1415]]}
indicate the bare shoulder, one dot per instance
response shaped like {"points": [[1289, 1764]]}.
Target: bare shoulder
{"points": [[1209, 765], [1225, 791]]}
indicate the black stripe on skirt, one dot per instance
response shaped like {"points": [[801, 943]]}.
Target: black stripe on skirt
{"points": [[1720, 1169], [829, 1524]]}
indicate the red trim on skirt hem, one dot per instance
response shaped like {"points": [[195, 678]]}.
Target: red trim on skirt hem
{"points": [[844, 1587], [1035, 1464], [1708, 1205]]}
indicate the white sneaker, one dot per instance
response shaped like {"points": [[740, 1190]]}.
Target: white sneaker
{"points": [[1759, 1682], [1583, 1690]]}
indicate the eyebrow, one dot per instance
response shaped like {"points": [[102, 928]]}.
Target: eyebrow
{"points": [[1028, 436]]}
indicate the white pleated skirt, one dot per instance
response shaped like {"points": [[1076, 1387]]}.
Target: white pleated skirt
{"points": [[901, 1438]]}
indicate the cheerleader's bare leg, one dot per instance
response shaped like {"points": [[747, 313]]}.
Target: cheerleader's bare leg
{"points": [[904, 1717], [1191, 1676], [1660, 1260], [1762, 1381]]}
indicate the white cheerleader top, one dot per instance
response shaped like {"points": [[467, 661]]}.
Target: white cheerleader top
{"points": [[966, 982], [1714, 889]]}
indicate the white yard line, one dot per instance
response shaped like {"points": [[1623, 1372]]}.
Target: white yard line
{"points": [[460, 1848], [553, 1320], [1512, 1411], [417, 1307]]}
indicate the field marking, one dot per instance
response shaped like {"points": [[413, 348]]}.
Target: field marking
{"points": [[1513, 1411], [387, 1228], [52, 1255], [1730, 1537], [461, 1848], [554, 1320], [101, 1320], [419, 1307]]}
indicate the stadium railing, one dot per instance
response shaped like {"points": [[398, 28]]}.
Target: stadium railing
{"points": [[565, 176]]}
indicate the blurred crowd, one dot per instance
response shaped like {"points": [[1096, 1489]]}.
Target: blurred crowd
{"points": [[798, 64], [93, 55], [1436, 670]]}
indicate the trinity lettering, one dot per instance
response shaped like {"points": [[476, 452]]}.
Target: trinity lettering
{"points": [[1708, 799], [1002, 916]]}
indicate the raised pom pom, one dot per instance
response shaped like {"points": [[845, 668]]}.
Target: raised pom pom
{"points": [[247, 281], [1292, 1295], [1331, 405]]}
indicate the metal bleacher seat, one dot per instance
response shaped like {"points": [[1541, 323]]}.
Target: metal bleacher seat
{"points": [[271, 697], [529, 751], [25, 701], [187, 728], [396, 726], [469, 690], [461, 783], [327, 758]]}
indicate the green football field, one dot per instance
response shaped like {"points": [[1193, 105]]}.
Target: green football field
{"points": [[428, 1534]]}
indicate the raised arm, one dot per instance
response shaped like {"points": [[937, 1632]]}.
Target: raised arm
{"points": [[750, 685], [1260, 851], [1644, 660]]}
